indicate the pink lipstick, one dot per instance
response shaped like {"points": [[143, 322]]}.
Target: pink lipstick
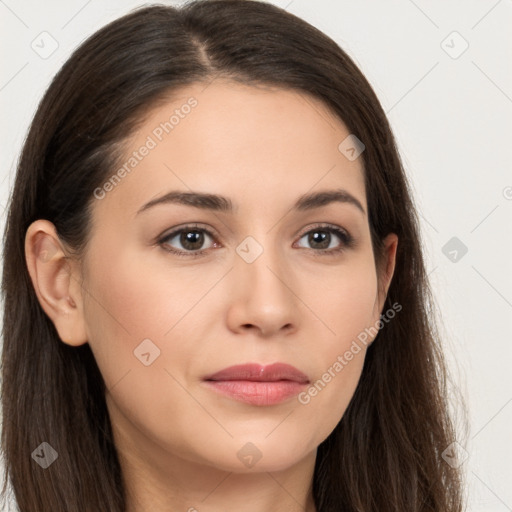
{"points": [[258, 385]]}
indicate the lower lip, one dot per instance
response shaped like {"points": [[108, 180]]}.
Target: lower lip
{"points": [[257, 393]]}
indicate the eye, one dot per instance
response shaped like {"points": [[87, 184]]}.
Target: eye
{"points": [[191, 238], [321, 239]]}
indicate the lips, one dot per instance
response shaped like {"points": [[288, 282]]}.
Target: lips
{"points": [[258, 385], [258, 373]]}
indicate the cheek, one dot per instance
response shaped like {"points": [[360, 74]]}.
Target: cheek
{"points": [[136, 315], [345, 299], [346, 307], [135, 309], [123, 308], [132, 300]]}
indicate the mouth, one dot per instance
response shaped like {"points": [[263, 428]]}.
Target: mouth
{"points": [[258, 385]]}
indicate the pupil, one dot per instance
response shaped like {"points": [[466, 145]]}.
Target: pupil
{"points": [[320, 237], [191, 238]]}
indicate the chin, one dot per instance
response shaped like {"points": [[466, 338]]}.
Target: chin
{"points": [[261, 454]]}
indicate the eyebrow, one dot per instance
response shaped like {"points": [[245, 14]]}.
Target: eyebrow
{"points": [[224, 204]]}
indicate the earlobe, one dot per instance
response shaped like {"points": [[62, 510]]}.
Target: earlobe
{"points": [[57, 288]]}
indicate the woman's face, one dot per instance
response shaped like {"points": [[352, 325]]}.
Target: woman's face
{"points": [[251, 283]]}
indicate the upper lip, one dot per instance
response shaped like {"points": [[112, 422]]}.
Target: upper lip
{"points": [[258, 373]]}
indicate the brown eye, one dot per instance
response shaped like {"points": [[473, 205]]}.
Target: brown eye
{"points": [[186, 241], [321, 239], [191, 240]]}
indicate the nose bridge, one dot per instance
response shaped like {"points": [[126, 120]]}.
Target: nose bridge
{"points": [[258, 253], [261, 271]]}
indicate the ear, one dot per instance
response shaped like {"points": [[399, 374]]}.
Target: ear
{"points": [[386, 271], [55, 281]]}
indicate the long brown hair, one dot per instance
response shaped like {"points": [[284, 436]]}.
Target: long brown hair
{"points": [[386, 452]]}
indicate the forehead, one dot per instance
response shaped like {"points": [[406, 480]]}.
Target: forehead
{"points": [[257, 145]]}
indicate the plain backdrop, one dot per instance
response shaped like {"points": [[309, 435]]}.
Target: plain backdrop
{"points": [[441, 70]]}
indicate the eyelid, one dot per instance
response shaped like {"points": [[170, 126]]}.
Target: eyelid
{"points": [[347, 240], [326, 226], [190, 227]]}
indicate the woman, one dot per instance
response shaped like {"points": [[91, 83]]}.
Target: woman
{"points": [[215, 295]]}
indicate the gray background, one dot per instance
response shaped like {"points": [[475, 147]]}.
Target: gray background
{"points": [[451, 110]]}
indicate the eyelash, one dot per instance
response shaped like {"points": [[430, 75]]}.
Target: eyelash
{"points": [[346, 239]]}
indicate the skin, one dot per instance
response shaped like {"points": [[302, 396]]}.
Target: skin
{"points": [[177, 440]]}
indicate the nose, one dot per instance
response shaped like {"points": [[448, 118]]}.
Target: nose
{"points": [[263, 295]]}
